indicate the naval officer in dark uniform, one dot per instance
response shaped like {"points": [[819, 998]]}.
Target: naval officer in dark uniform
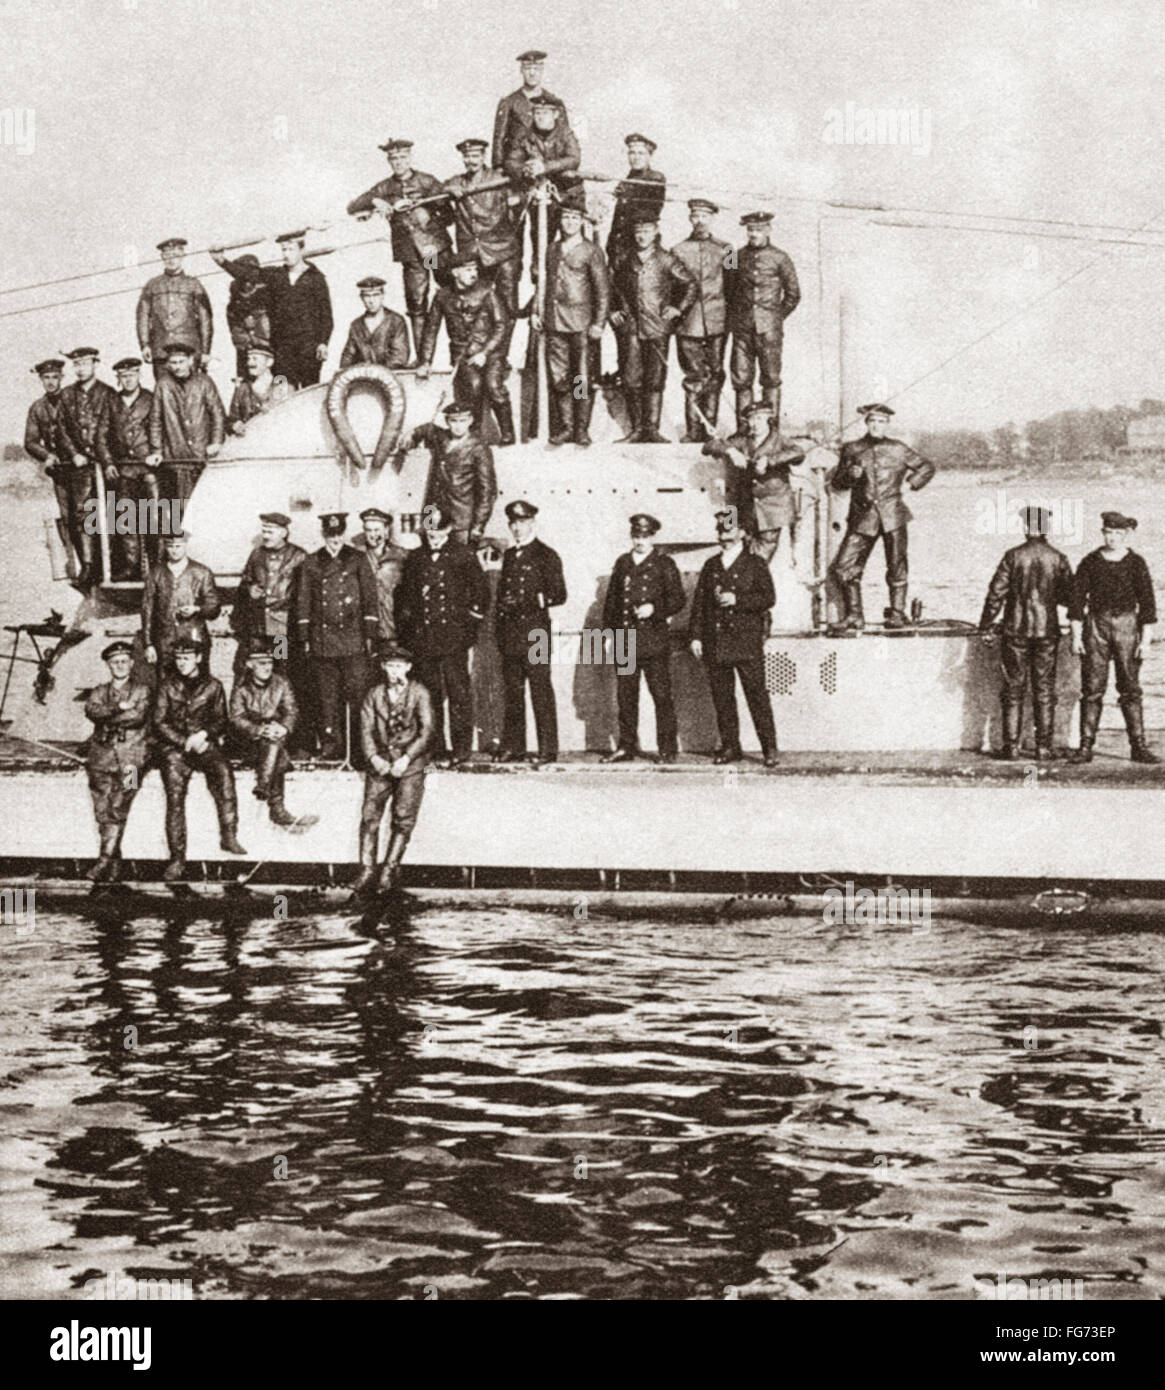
{"points": [[338, 620], [873, 470], [729, 624], [1032, 582], [644, 591], [440, 602], [530, 585], [1113, 612], [119, 754]]}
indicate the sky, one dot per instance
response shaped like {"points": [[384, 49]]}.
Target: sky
{"points": [[219, 120]]}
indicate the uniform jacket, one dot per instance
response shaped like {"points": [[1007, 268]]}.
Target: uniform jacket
{"points": [[706, 259], [174, 307], [514, 117], [186, 417], [131, 433], [633, 200], [335, 603], [762, 492], [475, 319], [419, 232], [559, 152], [253, 704], [655, 580], [186, 707], [1029, 582], [387, 345], [387, 567], [484, 221], [164, 594], [578, 287], [42, 428], [301, 314], [736, 634], [531, 583], [121, 737], [249, 400], [87, 421], [461, 480], [440, 600], [765, 290], [276, 573], [390, 729], [643, 289], [876, 503]]}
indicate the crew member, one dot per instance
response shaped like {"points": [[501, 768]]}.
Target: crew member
{"points": [[190, 724], [42, 438], [515, 113], [440, 602], [178, 601], [187, 424], [641, 194], [652, 291], [1113, 611], [263, 713], [728, 627], [266, 596], [87, 414], [1032, 582], [462, 483], [378, 335], [248, 309], [258, 391], [173, 307], [548, 150], [337, 615], [478, 331], [387, 560], [419, 211], [530, 585], [873, 470], [485, 224], [702, 332], [578, 298], [301, 315], [644, 591], [764, 294], [396, 728], [119, 754], [131, 436], [759, 485]]}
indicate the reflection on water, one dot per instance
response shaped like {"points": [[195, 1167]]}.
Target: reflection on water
{"points": [[506, 1104]]}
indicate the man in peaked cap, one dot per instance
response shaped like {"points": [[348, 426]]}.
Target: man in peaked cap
{"points": [[263, 713], [514, 115], [462, 482], [42, 439], [547, 151], [179, 600], [87, 420], [258, 391], [1033, 581], [173, 307], [530, 585], [485, 223], [765, 293], [644, 591], [265, 600], [641, 194], [378, 335], [1113, 610], [873, 470], [187, 422], [337, 616], [759, 485], [131, 451], [387, 560], [119, 753], [703, 331], [419, 212]]}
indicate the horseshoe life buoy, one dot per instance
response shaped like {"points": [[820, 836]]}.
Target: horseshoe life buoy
{"points": [[392, 394]]}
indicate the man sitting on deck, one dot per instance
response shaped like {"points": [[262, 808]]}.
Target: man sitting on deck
{"points": [[263, 713]]}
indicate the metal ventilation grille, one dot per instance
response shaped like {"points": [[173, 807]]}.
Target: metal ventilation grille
{"points": [[780, 673], [827, 674]]}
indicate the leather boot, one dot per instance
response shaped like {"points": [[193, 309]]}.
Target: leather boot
{"points": [[504, 415], [854, 619], [743, 401], [276, 807], [100, 871], [582, 420], [1134, 715], [771, 395], [229, 840], [710, 404], [561, 417], [1012, 722], [1089, 723], [694, 431], [390, 873], [417, 321], [88, 566], [896, 613], [633, 403], [367, 875], [652, 409]]}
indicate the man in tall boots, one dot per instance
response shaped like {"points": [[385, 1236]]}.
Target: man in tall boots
{"points": [[1113, 611], [42, 441], [263, 714], [187, 423], [86, 426], [396, 729], [873, 470], [131, 448], [644, 591], [485, 223], [702, 332], [119, 754], [765, 292], [1033, 581], [530, 585], [440, 602], [190, 726], [729, 624]]}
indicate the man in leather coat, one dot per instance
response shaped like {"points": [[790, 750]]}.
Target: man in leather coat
{"points": [[765, 292], [119, 753], [462, 483], [702, 332], [263, 714], [87, 423], [759, 484]]}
